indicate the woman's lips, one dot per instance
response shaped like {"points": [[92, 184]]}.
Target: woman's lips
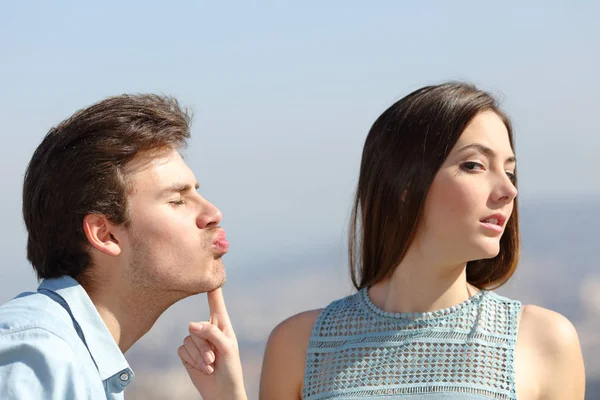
{"points": [[494, 227]]}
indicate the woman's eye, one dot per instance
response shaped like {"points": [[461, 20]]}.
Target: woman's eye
{"points": [[471, 166], [512, 177]]}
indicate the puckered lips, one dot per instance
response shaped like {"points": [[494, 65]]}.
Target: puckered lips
{"points": [[220, 243]]}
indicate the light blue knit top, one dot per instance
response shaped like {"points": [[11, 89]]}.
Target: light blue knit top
{"points": [[463, 352]]}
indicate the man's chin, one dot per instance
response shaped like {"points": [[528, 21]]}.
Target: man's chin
{"points": [[216, 281], [221, 282]]}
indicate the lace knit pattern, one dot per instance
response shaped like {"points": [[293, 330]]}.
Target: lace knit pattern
{"points": [[360, 351]]}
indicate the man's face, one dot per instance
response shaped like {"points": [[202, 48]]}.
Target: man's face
{"points": [[173, 242]]}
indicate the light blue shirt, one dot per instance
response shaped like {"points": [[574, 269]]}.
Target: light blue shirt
{"points": [[54, 345]]}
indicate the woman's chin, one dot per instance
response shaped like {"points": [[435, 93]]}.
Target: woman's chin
{"points": [[486, 250]]}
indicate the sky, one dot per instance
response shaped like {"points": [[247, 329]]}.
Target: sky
{"points": [[284, 94]]}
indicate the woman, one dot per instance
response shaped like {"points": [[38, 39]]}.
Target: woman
{"points": [[434, 226]]}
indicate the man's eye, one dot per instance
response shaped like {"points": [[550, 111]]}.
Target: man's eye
{"points": [[177, 202]]}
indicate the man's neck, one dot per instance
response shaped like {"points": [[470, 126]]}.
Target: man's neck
{"points": [[128, 314]]}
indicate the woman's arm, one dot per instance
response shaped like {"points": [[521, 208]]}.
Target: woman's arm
{"points": [[558, 360], [285, 357]]}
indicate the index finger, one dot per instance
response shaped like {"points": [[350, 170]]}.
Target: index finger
{"points": [[216, 305]]}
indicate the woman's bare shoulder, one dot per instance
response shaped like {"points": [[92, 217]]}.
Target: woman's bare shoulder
{"points": [[554, 347], [285, 355], [294, 332], [552, 331]]}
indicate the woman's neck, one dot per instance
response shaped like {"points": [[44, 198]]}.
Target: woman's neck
{"points": [[417, 286]]}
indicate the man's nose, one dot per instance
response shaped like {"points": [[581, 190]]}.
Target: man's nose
{"points": [[209, 216]]}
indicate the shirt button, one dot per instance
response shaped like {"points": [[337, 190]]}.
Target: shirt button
{"points": [[124, 377]]}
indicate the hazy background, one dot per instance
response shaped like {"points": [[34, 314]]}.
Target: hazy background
{"points": [[283, 96]]}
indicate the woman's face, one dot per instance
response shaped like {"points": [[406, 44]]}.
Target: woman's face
{"points": [[472, 195]]}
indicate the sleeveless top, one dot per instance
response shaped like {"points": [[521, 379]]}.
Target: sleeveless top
{"points": [[467, 351]]}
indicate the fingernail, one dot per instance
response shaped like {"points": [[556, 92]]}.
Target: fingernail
{"points": [[207, 368], [209, 357], [195, 326]]}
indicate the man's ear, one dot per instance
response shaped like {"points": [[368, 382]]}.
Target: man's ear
{"points": [[101, 234]]}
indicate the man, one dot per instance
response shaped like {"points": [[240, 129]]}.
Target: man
{"points": [[118, 233]]}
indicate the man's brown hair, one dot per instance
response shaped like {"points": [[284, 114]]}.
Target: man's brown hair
{"points": [[80, 168]]}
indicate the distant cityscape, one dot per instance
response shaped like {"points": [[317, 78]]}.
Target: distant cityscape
{"points": [[558, 270]]}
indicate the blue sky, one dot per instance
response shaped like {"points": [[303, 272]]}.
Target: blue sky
{"points": [[284, 95]]}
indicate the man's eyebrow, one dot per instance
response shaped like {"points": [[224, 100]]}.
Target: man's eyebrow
{"points": [[178, 188], [486, 151]]}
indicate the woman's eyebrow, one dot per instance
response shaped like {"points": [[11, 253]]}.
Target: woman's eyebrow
{"points": [[487, 151]]}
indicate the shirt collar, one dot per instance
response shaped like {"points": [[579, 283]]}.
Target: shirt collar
{"points": [[102, 346]]}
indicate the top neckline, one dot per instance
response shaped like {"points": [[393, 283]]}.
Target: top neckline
{"points": [[420, 316]]}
